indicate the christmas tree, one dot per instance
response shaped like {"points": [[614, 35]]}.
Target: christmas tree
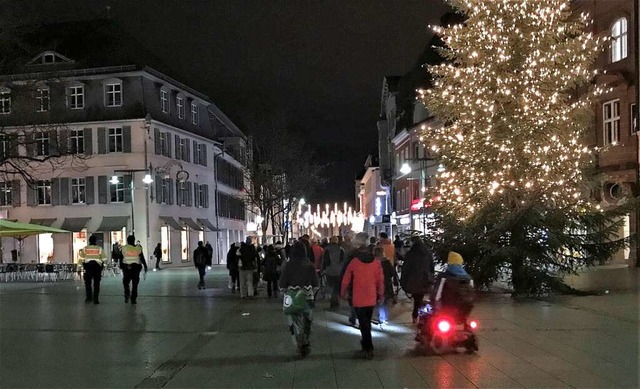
{"points": [[515, 97]]}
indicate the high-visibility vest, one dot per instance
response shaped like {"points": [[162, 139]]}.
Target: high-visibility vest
{"points": [[92, 253], [131, 254]]}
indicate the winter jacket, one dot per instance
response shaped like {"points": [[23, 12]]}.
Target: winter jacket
{"points": [[248, 256], [389, 249], [317, 256], [209, 253], [365, 280], [271, 263], [200, 256], [299, 272], [232, 259], [417, 270], [333, 259]]}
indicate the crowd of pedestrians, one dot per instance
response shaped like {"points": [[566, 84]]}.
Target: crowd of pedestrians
{"points": [[359, 270]]}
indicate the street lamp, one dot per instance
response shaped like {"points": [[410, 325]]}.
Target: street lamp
{"points": [[147, 180], [405, 168]]}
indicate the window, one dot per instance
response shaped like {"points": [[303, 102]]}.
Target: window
{"points": [[180, 106], [117, 190], [163, 143], [201, 195], [164, 100], [76, 142], [184, 149], [165, 185], [229, 174], [6, 194], [230, 207], [611, 122], [49, 58], [195, 118], [115, 140], [619, 40], [5, 101], [76, 97], [43, 192], [113, 95], [634, 119], [196, 152], [5, 146], [42, 144], [42, 95], [78, 191], [202, 154]]}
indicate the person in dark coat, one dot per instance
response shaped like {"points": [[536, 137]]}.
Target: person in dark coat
{"points": [[417, 273], [209, 253], [232, 266], [299, 274], [271, 263], [200, 258], [157, 252], [390, 279]]}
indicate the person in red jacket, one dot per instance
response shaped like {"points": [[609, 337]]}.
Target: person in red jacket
{"points": [[363, 283]]}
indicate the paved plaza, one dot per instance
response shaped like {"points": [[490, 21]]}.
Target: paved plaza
{"points": [[179, 337]]}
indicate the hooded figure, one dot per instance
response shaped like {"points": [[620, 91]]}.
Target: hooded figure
{"points": [[417, 273]]}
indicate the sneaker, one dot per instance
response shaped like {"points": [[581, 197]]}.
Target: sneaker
{"points": [[305, 350], [126, 299], [134, 302], [96, 301]]}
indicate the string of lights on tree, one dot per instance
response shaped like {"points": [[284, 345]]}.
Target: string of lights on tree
{"points": [[508, 95]]}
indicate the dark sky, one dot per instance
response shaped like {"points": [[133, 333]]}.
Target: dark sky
{"points": [[319, 64]]}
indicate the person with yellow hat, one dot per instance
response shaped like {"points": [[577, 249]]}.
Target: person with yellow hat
{"points": [[454, 287]]}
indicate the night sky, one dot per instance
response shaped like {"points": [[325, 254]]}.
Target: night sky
{"points": [[319, 64]]}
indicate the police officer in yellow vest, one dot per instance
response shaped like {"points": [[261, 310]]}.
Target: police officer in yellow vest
{"points": [[131, 265], [92, 260]]}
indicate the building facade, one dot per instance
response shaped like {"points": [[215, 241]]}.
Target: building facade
{"points": [[128, 150]]}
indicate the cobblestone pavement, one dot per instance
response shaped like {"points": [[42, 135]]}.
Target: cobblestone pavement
{"points": [[178, 336]]}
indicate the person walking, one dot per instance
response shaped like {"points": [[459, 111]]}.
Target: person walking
{"points": [[132, 263], [358, 247], [390, 279], [157, 252], [363, 284], [92, 260], [247, 264], [271, 263], [232, 266], [116, 253], [209, 253], [332, 263], [201, 260], [299, 274], [417, 273], [388, 247]]}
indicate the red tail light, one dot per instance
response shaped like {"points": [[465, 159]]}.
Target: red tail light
{"points": [[473, 324], [444, 326]]}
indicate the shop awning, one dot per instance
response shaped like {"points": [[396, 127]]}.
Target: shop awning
{"points": [[190, 223], [43, 222], [75, 224], [207, 224], [171, 222], [113, 223]]}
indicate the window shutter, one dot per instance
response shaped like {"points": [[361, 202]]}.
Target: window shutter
{"points": [[31, 196], [13, 145], [206, 196], [55, 191], [127, 188], [168, 146], [54, 151], [187, 157], [178, 197], [196, 197], [156, 140], [30, 144], [126, 139], [89, 188], [195, 152], [63, 142], [189, 194], [88, 141], [158, 184], [103, 193], [102, 141], [15, 193], [203, 155], [64, 191], [170, 191], [177, 146]]}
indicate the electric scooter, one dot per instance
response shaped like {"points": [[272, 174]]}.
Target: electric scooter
{"points": [[445, 331]]}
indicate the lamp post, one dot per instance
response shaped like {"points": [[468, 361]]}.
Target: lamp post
{"points": [[146, 180]]}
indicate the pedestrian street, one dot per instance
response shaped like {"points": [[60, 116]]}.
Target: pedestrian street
{"points": [[180, 337]]}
